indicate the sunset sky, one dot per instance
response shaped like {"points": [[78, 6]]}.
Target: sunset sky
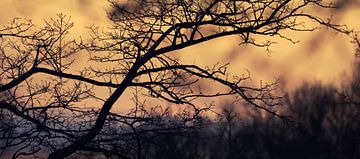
{"points": [[321, 55]]}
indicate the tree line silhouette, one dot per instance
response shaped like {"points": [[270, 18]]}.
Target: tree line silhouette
{"points": [[325, 124]]}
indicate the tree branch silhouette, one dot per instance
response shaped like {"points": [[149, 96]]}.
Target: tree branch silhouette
{"points": [[138, 50]]}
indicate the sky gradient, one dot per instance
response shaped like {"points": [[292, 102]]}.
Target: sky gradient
{"points": [[321, 55]]}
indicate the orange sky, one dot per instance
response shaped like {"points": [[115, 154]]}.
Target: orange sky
{"points": [[320, 55]]}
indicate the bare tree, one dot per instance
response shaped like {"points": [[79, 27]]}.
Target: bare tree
{"points": [[47, 97]]}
